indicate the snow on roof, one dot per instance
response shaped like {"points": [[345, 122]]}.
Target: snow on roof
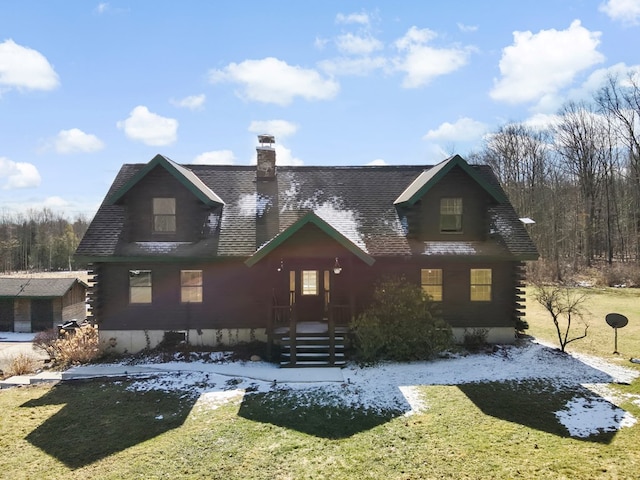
{"points": [[254, 204], [449, 248], [160, 247], [343, 220]]}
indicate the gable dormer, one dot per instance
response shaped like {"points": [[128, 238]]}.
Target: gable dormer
{"points": [[165, 202], [449, 202]]}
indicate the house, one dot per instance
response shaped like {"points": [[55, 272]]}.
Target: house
{"points": [[36, 304], [223, 253]]}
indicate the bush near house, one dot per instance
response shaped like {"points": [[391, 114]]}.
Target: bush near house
{"points": [[22, 364], [72, 347], [401, 324]]}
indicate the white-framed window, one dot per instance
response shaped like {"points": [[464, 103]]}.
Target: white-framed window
{"points": [[431, 281], [451, 215], [480, 284], [310, 282], [140, 286], [164, 215], [191, 286]]}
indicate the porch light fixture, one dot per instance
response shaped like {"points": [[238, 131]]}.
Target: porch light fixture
{"points": [[281, 267], [336, 267]]}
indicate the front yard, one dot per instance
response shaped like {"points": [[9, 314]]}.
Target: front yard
{"points": [[516, 412]]}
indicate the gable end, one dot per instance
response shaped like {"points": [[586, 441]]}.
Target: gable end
{"points": [[185, 176], [427, 179]]}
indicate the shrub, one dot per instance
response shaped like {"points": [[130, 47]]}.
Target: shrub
{"points": [[22, 364], [475, 339], [400, 324], [72, 347], [46, 340], [620, 274]]}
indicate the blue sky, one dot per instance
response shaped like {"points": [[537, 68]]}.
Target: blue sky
{"points": [[87, 86]]}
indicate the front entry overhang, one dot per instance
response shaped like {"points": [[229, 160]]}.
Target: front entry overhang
{"points": [[327, 228]]}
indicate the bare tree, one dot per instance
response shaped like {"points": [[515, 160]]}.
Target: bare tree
{"points": [[619, 100], [564, 305], [580, 141]]}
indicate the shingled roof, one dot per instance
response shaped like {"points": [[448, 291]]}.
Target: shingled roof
{"points": [[36, 287], [356, 202]]}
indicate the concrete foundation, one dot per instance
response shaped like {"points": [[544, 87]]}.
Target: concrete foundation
{"points": [[133, 341]]}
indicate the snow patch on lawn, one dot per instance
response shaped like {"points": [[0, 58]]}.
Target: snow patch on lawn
{"points": [[584, 417], [395, 387]]}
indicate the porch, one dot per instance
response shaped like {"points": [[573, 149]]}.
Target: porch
{"points": [[318, 343]]}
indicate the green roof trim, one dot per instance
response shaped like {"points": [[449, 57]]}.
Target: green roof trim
{"points": [[429, 178], [327, 228], [185, 176]]}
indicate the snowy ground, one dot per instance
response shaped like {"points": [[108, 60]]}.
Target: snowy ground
{"points": [[16, 337], [394, 387]]}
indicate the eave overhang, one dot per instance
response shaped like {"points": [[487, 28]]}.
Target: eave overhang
{"points": [[309, 218], [427, 179], [185, 176]]}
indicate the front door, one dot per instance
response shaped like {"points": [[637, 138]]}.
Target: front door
{"points": [[309, 290]]}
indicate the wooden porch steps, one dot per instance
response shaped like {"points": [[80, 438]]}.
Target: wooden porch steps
{"points": [[312, 350]]}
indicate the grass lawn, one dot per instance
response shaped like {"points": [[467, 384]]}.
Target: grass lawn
{"points": [[493, 430], [600, 337]]}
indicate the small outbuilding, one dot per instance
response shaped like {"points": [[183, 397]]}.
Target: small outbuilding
{"points": [[37, 304]]}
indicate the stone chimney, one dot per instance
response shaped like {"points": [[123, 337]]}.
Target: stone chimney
{"points": [[266, 157]]}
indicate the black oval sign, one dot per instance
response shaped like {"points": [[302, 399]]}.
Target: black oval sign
{"points": [[615, 320]]}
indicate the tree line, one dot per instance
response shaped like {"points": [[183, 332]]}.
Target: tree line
{"points": [[39, 240], [578, 177]]}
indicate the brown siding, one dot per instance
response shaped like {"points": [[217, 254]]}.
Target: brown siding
{"points": [[76, 294], [475, 201], [237, 296], [457, 308], [233, 297], [191, 214]]}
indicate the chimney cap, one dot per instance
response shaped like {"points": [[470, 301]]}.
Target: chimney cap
{"points": [[266, 139]]}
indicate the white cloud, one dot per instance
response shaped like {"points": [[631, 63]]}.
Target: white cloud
{"points": [[18, 174], [542, 121], [25, 68], [467, 28], [320, 43], [359, 18], [598, 78], [273, 81], [421, 62], [278, 128], [102, 8], [149, 128], [76, 141], [463, 130], [541, 64], [285, 157], [215, 157], [192, 102], [55, 203], [358, 44], [625, 11], [353, 66], [378, 162]]}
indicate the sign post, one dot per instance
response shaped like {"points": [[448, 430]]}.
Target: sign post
{"points": [[616, 321]]}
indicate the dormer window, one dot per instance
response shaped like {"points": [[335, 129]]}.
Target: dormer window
{"points": [[164, 215], [451, 215]]}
